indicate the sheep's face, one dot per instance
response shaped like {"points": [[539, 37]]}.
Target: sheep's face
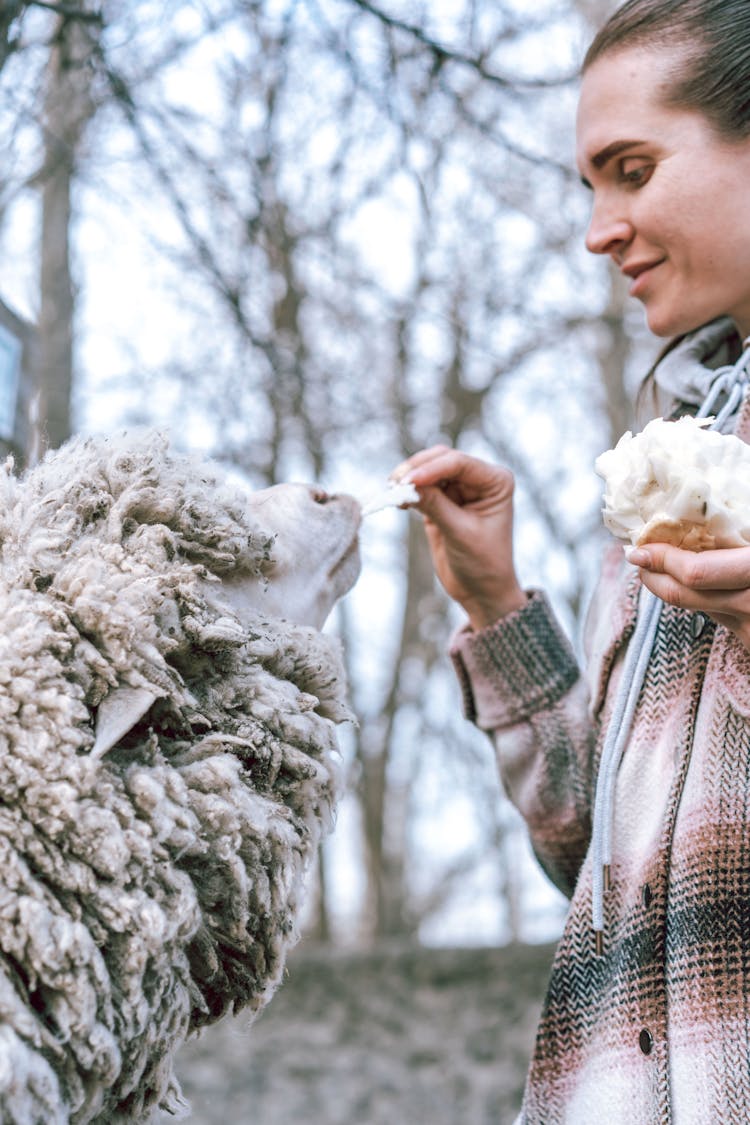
{"points": [[314, 559]]}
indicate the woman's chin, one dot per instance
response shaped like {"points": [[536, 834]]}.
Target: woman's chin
{"points": [[668, 324]]}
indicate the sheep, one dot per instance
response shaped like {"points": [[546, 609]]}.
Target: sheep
{"points": [[168, 761]]}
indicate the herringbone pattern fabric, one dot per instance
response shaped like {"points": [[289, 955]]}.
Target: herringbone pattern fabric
{"points": [[657, 1028]]}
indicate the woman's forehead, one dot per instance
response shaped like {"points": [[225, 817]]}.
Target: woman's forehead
{"points": [[622, 100]]}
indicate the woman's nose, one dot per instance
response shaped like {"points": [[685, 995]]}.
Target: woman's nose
{"points": [[608, 231]]}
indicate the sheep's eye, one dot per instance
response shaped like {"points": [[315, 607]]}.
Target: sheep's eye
{"points": [[320, 496]]}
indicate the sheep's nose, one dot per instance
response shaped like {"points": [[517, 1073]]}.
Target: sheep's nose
{"points": [[323, 497], [320, 496]]}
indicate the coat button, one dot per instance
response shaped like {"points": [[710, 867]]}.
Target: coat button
{"points": [[697, 624], [646, 1041], [647, 895]]}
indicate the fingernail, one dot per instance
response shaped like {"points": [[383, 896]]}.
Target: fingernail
{"points": [[636, 556]]}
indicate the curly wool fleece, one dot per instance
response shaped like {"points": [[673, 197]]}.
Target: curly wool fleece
{"points": [[149, 889]]}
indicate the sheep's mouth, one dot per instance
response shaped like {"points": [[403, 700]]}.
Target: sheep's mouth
{"points": [[348, 564]]}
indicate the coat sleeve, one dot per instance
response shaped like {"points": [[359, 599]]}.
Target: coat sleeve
{"points": [[522, 685]]}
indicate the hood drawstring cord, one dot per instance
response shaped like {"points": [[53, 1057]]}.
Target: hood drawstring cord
{"points": [[733, 382]]}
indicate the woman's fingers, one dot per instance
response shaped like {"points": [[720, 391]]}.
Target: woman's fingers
{"points": [[468, 516], [438, 505], [725, 569], [714, 582], [674, 592], [418, 460], [464, 480]]}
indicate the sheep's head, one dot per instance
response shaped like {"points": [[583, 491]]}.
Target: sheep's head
{"points": [[314, 559], [311, 562], [679, 483]]}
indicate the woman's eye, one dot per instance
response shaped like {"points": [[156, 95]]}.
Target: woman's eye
{"points": [[636, 174]]}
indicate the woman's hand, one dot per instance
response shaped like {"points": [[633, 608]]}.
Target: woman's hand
{"points": [[467, 506], [716, 583]]}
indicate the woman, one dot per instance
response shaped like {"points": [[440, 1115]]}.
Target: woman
{"points": [[652, 1022]]}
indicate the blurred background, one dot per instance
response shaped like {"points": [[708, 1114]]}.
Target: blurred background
{"points": [[307, 238]]}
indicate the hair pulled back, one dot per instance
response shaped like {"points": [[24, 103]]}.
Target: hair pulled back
{"points": [[713, 75]]}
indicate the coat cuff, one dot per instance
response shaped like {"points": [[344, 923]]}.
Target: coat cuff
{"points": [[514, 668]]}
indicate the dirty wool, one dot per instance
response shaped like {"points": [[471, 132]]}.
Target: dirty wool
{"points": [[151, 870]]}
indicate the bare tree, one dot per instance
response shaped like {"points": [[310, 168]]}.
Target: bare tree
{"points": [[367, 221]]}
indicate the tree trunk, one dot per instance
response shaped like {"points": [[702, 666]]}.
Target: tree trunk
{"points": [[385, 804], [68, 107]]}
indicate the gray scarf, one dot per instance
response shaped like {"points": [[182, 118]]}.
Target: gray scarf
{"points": [[685, 375]]}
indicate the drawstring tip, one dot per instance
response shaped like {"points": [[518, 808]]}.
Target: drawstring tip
{"points": [[607, 877], [599, 942]]}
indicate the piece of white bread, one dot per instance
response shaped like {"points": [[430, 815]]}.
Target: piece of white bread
{"points": [[391, 495], [680, 483]]}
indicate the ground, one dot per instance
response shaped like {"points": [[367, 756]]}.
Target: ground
{"points": [[400, 1036]]}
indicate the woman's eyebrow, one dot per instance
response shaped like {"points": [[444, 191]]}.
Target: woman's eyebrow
{"points": [[606, 154]]}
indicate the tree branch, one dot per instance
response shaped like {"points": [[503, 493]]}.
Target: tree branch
{"points": [[68, 11], [449, 54]]}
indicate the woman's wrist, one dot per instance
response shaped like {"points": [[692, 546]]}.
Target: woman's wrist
{"points": [[485, 612]]}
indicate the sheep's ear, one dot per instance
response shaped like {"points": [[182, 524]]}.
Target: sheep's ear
{"points": [[118, 713]]}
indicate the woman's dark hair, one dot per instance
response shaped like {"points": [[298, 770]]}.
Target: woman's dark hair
{"points": [[713, 75]]}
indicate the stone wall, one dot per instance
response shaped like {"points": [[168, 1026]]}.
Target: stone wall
{"points": [[401, 1036]]}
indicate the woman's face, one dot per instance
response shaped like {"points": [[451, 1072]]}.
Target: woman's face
{"points": [[671, 197]]}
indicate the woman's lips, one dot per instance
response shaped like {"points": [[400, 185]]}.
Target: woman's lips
{"points": [[641, 277]]}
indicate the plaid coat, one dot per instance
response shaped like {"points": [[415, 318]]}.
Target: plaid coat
{"points": [[656, 1029]]}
